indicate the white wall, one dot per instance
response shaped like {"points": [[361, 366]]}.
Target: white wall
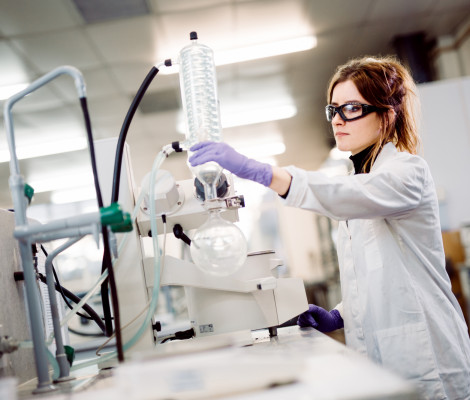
{"points": [[452, 54], [445, 133]]}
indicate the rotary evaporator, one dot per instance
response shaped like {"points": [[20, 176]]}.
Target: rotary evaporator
{"points": [[227, 277]]}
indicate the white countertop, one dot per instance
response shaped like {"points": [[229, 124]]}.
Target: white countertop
{"points": [[298, 363]]}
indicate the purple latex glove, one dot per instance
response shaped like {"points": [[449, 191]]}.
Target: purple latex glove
{"points": [[228, 158], [319, 318]]}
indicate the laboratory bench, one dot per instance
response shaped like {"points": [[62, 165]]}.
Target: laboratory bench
{"points": [[297, 363]]}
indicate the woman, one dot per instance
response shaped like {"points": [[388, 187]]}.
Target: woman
{"points": [[397, 304]]}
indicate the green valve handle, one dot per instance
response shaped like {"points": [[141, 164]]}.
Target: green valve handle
{"points": [[70, 354], [124, 226], [28, 192], [111, 215], [118, 220]]}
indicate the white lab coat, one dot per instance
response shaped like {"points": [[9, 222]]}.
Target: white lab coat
{"points": [[397, 303]]}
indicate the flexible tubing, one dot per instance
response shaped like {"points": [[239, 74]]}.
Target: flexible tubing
{"points": [[156, 287], [54, 363], [156, 265], [100, 280]]}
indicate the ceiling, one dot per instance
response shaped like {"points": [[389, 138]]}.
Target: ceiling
{"points": [[114, 47]]}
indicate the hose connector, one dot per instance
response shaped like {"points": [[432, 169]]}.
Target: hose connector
{"points": [[115, 218]]}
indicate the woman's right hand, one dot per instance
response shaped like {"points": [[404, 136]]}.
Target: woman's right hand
{"points": [[229, 159], [321, 319]]}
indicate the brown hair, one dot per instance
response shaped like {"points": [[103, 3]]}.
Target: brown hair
{"points": [[384, 82]]}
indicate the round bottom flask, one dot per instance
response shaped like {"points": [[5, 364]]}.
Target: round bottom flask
{"points": [[218, 246]]}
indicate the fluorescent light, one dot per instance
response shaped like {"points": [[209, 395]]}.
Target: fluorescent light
{"points": [[257, 51], [249, 115], [32, 150], [73, 195], [69, 180], [262, 150], [264, 50], [9, 90]]}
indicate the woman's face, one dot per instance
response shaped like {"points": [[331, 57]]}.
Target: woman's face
{"points": [[353, 136]]}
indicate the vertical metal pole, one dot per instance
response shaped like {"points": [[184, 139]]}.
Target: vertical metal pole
{"points": [[61, 357], [32, 292]]}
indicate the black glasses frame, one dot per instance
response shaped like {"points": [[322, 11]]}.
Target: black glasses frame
{"points": [[331, 111]]}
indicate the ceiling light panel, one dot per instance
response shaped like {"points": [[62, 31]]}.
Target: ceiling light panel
{"points": [[66, 179], [48, 51], [14, 69], [73, 195], [104, 109], [45, 148], [99, 82], [127, 41], [42, 99], [160, 101], [385, 9], [105, 10], [49, 124], [265, 50], [165, 6], [129, 77], [21, 17], [7, 91], [275, 26], [214, 27]]}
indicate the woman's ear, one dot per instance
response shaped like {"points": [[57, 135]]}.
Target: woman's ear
{"points": [[388, 119], [391, 115]]}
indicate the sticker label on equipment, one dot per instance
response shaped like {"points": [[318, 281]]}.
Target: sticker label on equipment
{"points": [[206, 328]]}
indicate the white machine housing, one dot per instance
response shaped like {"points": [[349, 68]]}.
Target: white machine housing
{"points": [[252, 298]]}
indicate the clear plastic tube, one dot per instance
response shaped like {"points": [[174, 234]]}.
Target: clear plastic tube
{"points": [[100, 280], [156, 287], [55, 365]]}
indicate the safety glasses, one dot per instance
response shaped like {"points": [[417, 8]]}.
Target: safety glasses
{"points": [[350, 111]]}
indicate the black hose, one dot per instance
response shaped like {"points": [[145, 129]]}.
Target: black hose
{"points": [[65, 292], [107, 264], [114, 298], [115, 194], [72, 296], [104, 286], [125, 128], [86, 115], [74, 331]]}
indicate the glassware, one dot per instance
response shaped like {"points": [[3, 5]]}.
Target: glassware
{"points": [[198, 84], [218, 247]]}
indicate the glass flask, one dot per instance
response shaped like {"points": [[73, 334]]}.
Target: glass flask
{"points": [[198, 84], [218, 247]]}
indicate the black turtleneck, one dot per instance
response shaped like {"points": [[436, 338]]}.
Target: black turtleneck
{"points": [[359, 160]]}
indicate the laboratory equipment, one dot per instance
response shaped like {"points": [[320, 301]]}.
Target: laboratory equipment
{"points": [[13, 319], [218, 247], [27, 233], [198, 84], [229, 292], [252, 297]]}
